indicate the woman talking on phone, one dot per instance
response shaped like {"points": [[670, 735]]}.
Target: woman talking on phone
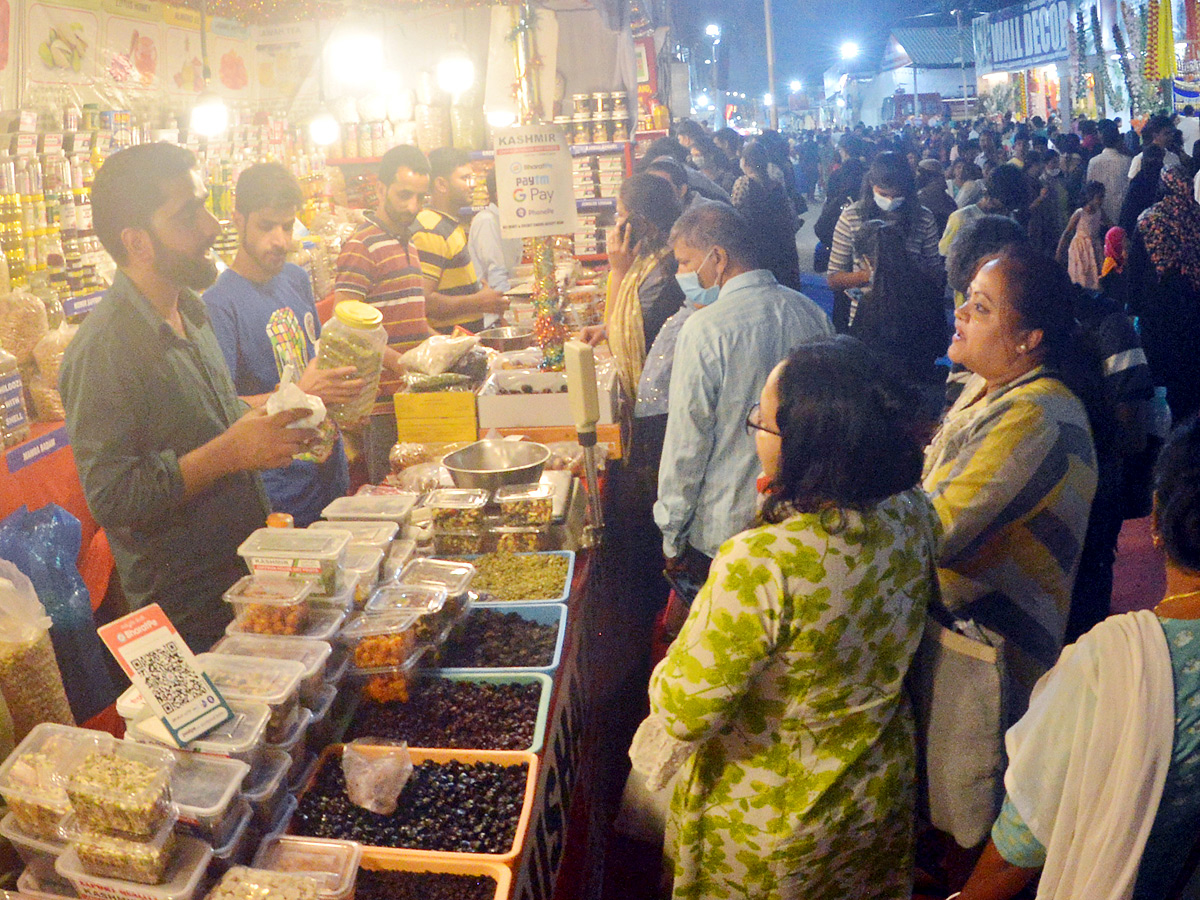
{"points": [[642, 291]]}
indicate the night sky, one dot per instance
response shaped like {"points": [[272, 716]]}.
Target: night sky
{"points": [[808, 33]]}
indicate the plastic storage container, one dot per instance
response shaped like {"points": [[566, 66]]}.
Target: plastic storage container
{"points": [[323, 622], [241, 737], [362, 533], [181, 880], [284, 820], [448, 865], [525, 505], [29, 885], [371, 508], [241, 883], [354, 337], [295, 744], [457, 509], [313, 655], [205, 790], [343, 599], [123, 858], [33, 779], [266, 787], [385, 653], [397, 558], [452, 577], [38, 855], [560, 597], [436, 611], [460, 543], [320, 727], [303, 773], [275, 682], [334, 864], [297, 553], [523, 540], [270, 604], [237, 849], [543, 614], [364, 564]]}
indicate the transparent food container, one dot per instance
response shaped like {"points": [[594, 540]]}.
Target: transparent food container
{"points": [[457, 509], [384, 652], [122, 788], [33, 779], [181, 880], [205, 790], [313, 655], [237, 847], [323, 622], [295, 744], [297, 553], [354, 337], [320, 729], [333, 863], [362, 533], [240, 737], [524, 505], [241, 883], [270, 604], [363, 564], [371, 508], [522, 540], [459, 543], [38, 855], [453, 577], [123, 858], [52, 887], [436, 611], [267, 786], [343, 599], [397, 558], [275, 682]]}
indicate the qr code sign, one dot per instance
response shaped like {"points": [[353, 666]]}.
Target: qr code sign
{"points": [[173, 683]]}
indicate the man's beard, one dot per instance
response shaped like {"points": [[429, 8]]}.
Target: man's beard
{"points": [[181, 269]]}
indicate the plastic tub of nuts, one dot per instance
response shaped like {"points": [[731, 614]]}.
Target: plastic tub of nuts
{"points": [[123, 858], [55, 888], [457, 509], [452, 577], [323, 622], [313, 655], [181, 878], [270, 604], [240, 737], [267, 786], [205, 790], [38, 855], [334, 864], [459, 543], [275, 682], [371, 508], [362, 533], [525, 505], [33, 779], [241, 883], [297, 553], [397, 558], [343, 600], [123, 789], [525, 577], [522, 540]]}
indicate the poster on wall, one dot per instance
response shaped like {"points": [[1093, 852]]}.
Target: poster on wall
{"points": [[284, 55], [132, 49], [230, 55], [61, 43]]}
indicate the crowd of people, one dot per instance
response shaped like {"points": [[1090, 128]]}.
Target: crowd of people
{"points": [[957, 440], [963, 451]]}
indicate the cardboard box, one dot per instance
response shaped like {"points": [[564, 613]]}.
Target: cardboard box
{"points": [[530, 410], [441, 416]]}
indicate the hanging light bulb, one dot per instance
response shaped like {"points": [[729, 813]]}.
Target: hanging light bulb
{"points": [[455, 72], [323, 128], [210, 115], [501, 118]]}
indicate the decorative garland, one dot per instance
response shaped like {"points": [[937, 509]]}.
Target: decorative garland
{"points": [[549, 328], [1080, 37], [1135, 100], [1150, 57]]}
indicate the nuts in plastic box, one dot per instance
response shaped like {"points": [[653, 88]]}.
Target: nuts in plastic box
{"points": [[122, 788], [525, 505], [266, 604], [125, 858], [243, 883], [33, 778], [275, 682], [457, 509]]}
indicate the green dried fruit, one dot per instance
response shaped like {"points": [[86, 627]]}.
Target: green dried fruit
{"points": [[512, 578]]}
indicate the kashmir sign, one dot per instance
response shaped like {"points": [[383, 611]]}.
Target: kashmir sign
{"points": [[1022, 37], [533, 182]]}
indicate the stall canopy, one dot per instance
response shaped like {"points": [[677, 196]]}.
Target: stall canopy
{"points": [[926, 48]]}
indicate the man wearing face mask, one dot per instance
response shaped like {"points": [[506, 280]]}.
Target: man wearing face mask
{"points": [[741, 323]]}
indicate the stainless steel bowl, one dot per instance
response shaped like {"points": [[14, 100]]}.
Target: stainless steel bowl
{"points": [[507, 337], [490, 464]]}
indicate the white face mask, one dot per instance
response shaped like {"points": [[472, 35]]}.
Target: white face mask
{"points": [[887, 204]]}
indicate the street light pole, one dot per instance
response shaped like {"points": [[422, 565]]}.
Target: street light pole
{"points": [[774, 110]]}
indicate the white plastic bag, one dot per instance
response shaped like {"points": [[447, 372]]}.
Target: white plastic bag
{"points": [[289, 396], [438, 354], [30, 682], [374, 780]]}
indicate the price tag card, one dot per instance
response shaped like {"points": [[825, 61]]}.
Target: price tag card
{"points": [[160, 665]]}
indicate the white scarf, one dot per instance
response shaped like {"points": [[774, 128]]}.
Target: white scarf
{"points": [[1088, 761]]}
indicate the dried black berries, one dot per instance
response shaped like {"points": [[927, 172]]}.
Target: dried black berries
{"points": [[386, 885], [491, 639]]}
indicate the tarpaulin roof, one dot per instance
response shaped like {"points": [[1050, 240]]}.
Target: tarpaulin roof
{"points": [[938, 47]]}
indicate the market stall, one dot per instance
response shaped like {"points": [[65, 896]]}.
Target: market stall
{"points": [[490, 678]]}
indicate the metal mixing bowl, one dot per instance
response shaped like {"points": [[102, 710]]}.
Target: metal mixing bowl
{"points": [[490, 464], [508, 337]]}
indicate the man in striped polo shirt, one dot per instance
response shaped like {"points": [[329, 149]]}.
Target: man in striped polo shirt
{"points": [[379, 265], [453, 294]]}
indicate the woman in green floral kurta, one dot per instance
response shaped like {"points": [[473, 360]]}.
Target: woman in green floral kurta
{"points": [[788, 672]]}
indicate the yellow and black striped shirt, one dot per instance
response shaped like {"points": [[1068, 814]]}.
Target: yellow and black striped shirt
{"points": [[442, 248]]}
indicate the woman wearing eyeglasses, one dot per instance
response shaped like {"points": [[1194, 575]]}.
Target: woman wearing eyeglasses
{"points": [[784, 688]]}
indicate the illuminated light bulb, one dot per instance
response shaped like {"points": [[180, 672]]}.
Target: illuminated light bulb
{"points": [[501, 118], [210, 116], [455, 73], [324, 129]]}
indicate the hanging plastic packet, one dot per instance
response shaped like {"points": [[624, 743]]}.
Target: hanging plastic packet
{"points": [[289, 396], [376, 774]]}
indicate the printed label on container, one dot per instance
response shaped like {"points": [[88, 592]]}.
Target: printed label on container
{"points": [[271, 565], [161, 666]]}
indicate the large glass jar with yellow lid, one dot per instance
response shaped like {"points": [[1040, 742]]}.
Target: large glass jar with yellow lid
{"points": [[355, 336]]}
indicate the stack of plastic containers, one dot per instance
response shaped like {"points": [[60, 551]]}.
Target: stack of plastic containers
{"points": [[459, 526]]}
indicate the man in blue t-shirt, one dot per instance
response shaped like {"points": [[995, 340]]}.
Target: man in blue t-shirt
{"points": [[264, 316]]}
